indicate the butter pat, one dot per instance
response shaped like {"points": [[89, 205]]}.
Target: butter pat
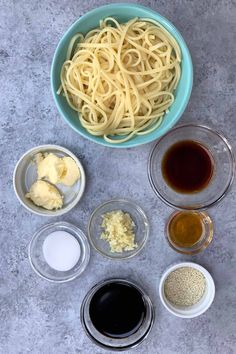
{"points": [[50, 167], [71, 172], [45, 195], [57, 169]]}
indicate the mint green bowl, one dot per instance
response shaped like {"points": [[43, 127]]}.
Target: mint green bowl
{"points": [[123, 13]]}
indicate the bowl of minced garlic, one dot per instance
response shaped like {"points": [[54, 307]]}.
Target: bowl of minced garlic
{"points": [[186, 289], [118, 229], [49, 180]]}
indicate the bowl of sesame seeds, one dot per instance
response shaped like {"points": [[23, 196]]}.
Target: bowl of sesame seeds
{"points": [[186, 289]]}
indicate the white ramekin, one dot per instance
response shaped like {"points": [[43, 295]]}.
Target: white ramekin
{"points": [[194, 310]]}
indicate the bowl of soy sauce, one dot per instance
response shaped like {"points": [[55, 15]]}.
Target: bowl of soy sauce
{"points": [[117, 314], [191, 167]]}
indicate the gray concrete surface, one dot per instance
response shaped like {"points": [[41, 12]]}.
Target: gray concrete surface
{"points": [[40, 317]]}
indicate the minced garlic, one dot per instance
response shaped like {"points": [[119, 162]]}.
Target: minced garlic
{"points": [[118, 231]]}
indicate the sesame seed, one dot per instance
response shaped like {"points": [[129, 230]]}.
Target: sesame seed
{"points": [[185, 286]]}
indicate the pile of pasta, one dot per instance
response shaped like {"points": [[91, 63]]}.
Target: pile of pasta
{"points": [[121, 77]]}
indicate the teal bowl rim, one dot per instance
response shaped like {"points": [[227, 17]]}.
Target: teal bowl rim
{"points": [[156, 134]]}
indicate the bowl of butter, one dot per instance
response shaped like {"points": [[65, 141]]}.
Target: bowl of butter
{"points": [[49, 180]]}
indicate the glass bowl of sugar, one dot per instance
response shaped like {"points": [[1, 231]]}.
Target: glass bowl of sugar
{"points": [[59, 252]]}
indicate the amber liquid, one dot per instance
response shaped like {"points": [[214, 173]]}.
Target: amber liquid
{"points": [[187, 167], [185, 229]]}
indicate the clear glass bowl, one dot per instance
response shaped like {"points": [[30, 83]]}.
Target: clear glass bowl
{"points": [[38, 262], [95, 230], [223, 174], [204, 241], [114, 343]]}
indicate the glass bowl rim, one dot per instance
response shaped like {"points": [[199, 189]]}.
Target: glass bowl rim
{"points": [[80, 235], [140, 212], [232, 164]]}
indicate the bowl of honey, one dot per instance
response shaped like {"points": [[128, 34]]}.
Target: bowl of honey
{"points": [[189, 232], [191, 167]]}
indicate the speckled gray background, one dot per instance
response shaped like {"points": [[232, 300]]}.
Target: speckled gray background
{"points": [[40, 317]]}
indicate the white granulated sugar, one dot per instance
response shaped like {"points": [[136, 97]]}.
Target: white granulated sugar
{"points": [[61, 250]]}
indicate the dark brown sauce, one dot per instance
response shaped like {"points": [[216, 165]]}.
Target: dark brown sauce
{"points": [[117, 310], [187, 167]]}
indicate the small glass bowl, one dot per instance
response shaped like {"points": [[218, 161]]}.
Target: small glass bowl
{"points": [[114, 343], [38, 262], [223, 174], [204, 241], [95, 230]]}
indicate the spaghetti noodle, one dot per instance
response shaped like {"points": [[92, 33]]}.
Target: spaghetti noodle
{"points": [[121, 77]]}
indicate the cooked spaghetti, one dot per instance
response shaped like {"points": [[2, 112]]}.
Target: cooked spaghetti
{"points": [[121, 77]]}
